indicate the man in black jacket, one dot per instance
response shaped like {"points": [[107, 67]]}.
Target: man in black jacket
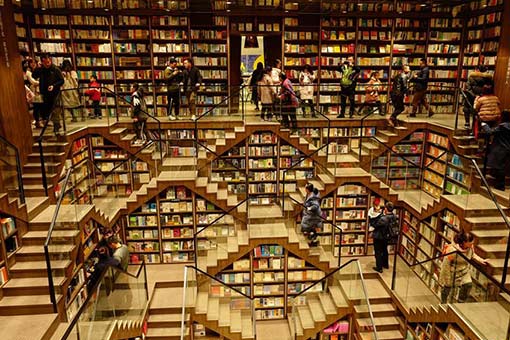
{"points": [[476, 80], [174, 78], [380, 234], [50, 80], [192, 81], [499, 150], [421, 80], [397, 94]]}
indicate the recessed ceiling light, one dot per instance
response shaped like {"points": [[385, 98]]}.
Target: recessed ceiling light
{"points": [[228, 10], [344, 12], [423, 5], [295, 3], [229, 2]]}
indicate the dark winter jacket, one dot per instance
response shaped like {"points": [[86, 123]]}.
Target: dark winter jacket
{"points": [[499, 151], [173, 78], [421, 80], [192, 77], [476, 81], [139, 107], [312, 213], [398, 85], [51, 76], [382, 224]]}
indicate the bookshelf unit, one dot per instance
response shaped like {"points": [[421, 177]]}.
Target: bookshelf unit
{"points": [[11, 242], [272, 276], [262, 168], [142, 234]]}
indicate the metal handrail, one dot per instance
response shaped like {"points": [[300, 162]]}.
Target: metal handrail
{"points": [[368, 301], [95, 287], [19, 174], [48, 239]]}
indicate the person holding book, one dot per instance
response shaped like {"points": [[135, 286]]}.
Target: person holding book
{"points": [[174, 78], [306, 79], [192, 82], [454, 272], [70, 95], [397, 93], [348, 81], [50, 81], [267, 94], [311, 222], [421, 80], [256, 76], [476, 81], [289, 102], [372, 94], [139, 113], [94, 93]]}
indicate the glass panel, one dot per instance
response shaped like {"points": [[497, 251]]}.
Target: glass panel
{"points": [[10, 176]]}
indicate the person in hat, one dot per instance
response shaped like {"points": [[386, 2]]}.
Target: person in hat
{"points": [[174, 78], [374, 213]]}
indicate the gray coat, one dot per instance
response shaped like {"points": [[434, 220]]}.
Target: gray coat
{"points": [[312, 213]]}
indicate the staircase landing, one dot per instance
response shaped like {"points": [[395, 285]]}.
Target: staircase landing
{"points": [[267, 329], [28, 327]]}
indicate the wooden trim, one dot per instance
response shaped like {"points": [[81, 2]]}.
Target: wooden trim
{"points": [[502, 72]]}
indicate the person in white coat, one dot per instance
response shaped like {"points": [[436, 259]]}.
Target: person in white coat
{"points": [[306, 78]]}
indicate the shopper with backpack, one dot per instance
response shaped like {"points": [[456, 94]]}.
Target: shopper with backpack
{"points": [[311, 221], [348, 82], [385, 228]]}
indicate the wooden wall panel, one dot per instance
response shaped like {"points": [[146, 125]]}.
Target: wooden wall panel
{"points": [[502, 74], [15, 121]]}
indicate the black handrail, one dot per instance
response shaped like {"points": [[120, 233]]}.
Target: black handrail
{"points": [[327, 276], [94, 287], [505, 218], [219, 281], [329, 222], [48, 239], [19, 173]]}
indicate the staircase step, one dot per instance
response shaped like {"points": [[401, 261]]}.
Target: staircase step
{"points": [[26, 304], [166, 320], [128, 137], [213, 308], [167, 333], [306, 317], [224, 315], [36, 268], [247, 324], [212, 188], [317, 184], [327, 303], [41, 234], [201, 181], [315, 306], [202, 302], [378, 309], [326, 179], [379, 322], [295, 322], [235, 321], [35, 205], [117, 131], [390, 335], [30, 285], [53, 249], [481, 234], [337, 296]]}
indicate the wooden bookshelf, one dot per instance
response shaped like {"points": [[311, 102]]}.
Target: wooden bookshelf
{"points": [[272, 276]]}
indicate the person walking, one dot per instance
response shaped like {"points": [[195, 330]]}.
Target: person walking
{"points": [[421, 80], [306, 79], [267, 94], [397, 94], [70, 95], [94, 93], [499, 150], [289, 103], [29, 65], [476, 81], [372, 95], [454, 272], [139, 114], [348, 81], [192, 82], [311, 221], [256, 76], [381, 227], [50, 81]]}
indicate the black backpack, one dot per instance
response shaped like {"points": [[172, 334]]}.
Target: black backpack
{"points": [[392, 230]]}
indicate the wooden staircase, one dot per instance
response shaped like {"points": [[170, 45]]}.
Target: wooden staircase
{"points": [[320, 310], [220, 315]]}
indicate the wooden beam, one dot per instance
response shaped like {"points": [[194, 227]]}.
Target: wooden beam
{"points": [[502, 73]]}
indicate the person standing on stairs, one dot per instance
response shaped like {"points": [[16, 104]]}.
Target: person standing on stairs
{"points": [[192, 82], [50, 81], [397, 94], [311, 222], [348, 82], [289, 103], [267, 94], [306, 79], [174, 78], [381, 226], [454, 271], [70, 95], [256, 76], [476, 80], [499, 150], [139, 114], [421, 80]]}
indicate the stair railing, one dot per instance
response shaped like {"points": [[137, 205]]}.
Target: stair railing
{"points": [[7, 150], [111, 288], [196, 279], [349, 278], [47, 242]]}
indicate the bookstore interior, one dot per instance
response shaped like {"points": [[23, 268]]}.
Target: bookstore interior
{"points": [[255, 169]]}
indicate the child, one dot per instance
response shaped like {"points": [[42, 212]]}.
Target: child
{"points": [[94, 93], [139, 114]]}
